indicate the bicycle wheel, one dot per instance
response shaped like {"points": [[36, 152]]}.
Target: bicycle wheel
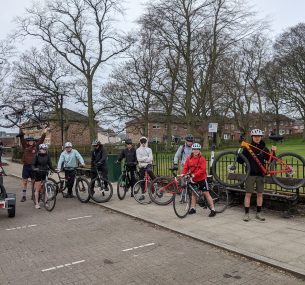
{"points": [[291, 170], [82, 189], [41, 111], [48, 196], [227, 171], [220, 197], [9, 116], [100, 190], [182, 203], [162, 190], [140, 194], [122, 187]]}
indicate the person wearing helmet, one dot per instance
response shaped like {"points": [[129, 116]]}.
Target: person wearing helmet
{"points": [[183, 151], [130, 156], [68, 161], [99, 160], [40, 165], [255, 181], [196, 166], [29, 146]]}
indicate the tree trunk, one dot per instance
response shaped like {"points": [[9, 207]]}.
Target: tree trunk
{"points": [[91, 114]]}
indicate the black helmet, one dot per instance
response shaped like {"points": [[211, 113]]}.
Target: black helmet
{"points": [[128, 141], [96, 142], [30, 139], [189, 138]]}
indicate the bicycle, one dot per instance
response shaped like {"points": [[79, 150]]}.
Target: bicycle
{"points": [[141, 187], [124, 181], [100, 189], [182, 199], [48, 193], [81, 184], [286, 169], [163, 188], [12, 116]]}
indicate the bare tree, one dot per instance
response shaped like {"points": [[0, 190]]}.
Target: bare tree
{"points": [[80, 31]]}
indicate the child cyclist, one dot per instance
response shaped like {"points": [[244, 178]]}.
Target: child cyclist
{"points": [[196, 166], [40, 165]]}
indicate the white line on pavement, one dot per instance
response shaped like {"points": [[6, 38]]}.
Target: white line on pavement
{"points": [[77, 218], [140, 246], [19, 228], [62, 266]]}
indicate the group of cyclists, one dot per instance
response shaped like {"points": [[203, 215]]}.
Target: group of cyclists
{"points": [[36, 163]]}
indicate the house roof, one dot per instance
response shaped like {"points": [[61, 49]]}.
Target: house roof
{"points": [[69, 115]]}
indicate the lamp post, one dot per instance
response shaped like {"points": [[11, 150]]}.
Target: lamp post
{"points": [[62, 120]]}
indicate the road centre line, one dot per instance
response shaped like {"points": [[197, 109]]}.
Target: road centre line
{"points": [[140, 246], [77, 218], [22, 227], [62, 265]]}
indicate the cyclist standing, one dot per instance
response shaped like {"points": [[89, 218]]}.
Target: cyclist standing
{"points": [[99, 160], [184, 151], [196, 166], [40, 165], [68, 161], [29, 146], [255, 181], [129, 153]]}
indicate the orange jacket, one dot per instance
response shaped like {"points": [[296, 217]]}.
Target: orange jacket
{"points": [[196, 165]]}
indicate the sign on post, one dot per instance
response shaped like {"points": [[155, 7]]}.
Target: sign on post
{"points": [[213, 127]]}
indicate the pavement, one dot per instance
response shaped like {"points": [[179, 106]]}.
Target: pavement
{"points": [[277, 242]]}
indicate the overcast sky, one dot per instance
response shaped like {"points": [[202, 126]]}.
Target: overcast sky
{"points": [[281, 13]]}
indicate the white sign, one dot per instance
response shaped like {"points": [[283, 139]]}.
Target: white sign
{"points": [[213, 127]]}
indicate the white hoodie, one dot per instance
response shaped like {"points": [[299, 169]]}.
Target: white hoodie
{"points": [[144, 156]]}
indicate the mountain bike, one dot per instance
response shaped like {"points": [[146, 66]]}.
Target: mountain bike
{"points": [[286, 169], [48, 193], [100, 189], [182, 199], [16, 116], [124, 181], [81, 184]]}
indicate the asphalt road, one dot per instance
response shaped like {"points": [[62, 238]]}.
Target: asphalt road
{"points": [[88, 244]]}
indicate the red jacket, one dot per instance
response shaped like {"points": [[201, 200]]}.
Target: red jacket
{"points": [[196, 165]]}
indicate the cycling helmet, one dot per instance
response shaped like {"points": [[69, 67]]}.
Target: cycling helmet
{"points": [[68, 144], [256, 132], [196, 146], [30, 139], [143, 140], [96, 142], [189, 138], [43, 146], [128, 141]]}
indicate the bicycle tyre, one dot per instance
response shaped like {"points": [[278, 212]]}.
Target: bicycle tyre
{"points": [[49, 200], [121, 187], [221, 169], [2, 192], [82, 189], [98, 192], [138, 195], [182, 203], [9, 117], [162, 190], [282, 179], [220, 197], [41, 111]]}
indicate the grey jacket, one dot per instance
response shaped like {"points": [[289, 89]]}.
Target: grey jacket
{"points": [[186, 153]]}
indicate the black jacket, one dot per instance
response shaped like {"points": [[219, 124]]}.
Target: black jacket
{"points": [[99, 157], [42, 161], [255, 170], [129, 155]]}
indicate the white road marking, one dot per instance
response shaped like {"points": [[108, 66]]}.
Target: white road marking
{"points": [[62, 266], [19, 228], [77, 218], [140, 246]]}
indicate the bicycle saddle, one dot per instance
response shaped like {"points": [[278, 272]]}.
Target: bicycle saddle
{"points": [[276, 138]]}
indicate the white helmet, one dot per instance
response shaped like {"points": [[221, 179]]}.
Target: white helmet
{"points": [[68, 144], [196, 146], [43, 146], [256, 132]]}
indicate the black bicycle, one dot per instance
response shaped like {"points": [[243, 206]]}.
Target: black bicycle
{"points": [[100, 189], [16, 116], [124, 181], [182, 199]]}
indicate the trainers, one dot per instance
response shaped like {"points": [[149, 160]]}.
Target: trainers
{"points": [[246, 217], [23, 199], [37, 206], [192, 211], [142, 198], [212, 213], [259, 217]]}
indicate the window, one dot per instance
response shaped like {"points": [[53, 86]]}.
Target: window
{"points": [[156, 126], [226, 136]]}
